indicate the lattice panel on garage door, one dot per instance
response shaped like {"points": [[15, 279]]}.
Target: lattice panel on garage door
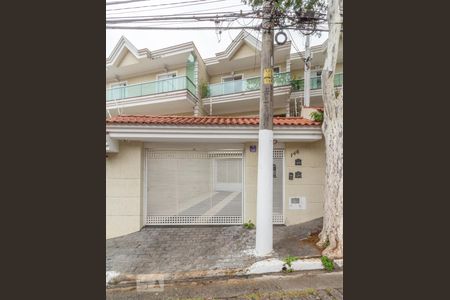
{"points": [[194, 187]]}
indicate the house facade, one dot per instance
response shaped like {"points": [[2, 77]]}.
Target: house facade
{"points": [[182, 136]]}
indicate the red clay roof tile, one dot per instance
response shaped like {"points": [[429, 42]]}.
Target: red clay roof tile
{"points": [[207, 120]]}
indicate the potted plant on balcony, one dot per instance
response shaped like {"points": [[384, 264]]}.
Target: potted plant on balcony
{"points": [[204, 91]]}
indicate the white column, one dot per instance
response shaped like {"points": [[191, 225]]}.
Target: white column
{"points": [[307, 77], [264, 194]]}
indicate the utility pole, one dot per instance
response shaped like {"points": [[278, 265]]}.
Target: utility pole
{"points": [[264, 193], [307, 74]]}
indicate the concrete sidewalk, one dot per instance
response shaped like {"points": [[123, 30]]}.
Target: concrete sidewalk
{"points": [[317, 285], [201, 251]]}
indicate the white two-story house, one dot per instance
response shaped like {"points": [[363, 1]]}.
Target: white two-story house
{"points": [[182, 136]]}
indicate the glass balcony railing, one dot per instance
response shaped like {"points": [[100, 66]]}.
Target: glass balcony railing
{"points": [[316, 82], [150, 88], [245, 85]]}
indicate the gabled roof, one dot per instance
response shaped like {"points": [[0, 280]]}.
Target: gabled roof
{"points": [[122, 46], [243, 37], [314, 49], [206, 120]]}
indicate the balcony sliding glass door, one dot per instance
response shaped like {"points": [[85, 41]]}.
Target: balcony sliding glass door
{"points": [[232, 84]]}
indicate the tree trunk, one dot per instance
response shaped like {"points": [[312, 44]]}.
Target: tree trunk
{"points": [[331, 237]]}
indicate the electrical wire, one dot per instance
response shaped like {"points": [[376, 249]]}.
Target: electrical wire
{"points": [[156, 5], [124, 1], [199, 28], [163, 8]]}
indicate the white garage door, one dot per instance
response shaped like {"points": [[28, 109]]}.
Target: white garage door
{"points": [[194, 187]]}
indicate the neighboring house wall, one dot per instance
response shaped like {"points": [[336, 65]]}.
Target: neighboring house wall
{"points": [[311, 185], [124, 192]]}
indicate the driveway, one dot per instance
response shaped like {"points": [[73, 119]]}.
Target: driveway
{"points": [[181, 249]]}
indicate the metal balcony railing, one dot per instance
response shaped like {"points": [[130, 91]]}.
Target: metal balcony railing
{"points": [[151, 88], [244, 85], [316, 82]]}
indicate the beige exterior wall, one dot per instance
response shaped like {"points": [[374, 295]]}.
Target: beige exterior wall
{"points": [[311, 185], [248, 73], [181, 71], [250, 182], [244, 51], [124, 185], [129, 59], [124, 191]]}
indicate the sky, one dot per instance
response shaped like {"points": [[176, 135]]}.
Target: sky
{"points": [[207, 41]]}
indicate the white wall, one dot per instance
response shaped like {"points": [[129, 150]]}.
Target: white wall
{"points": [[124, 191]]}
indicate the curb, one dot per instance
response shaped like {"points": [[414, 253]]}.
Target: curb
{"points": [[274, 265], [267, 266]]}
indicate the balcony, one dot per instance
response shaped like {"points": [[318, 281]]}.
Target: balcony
{"points": [[316, 82], [245, 85], [177, 94], [243, 95], [150, 88]]}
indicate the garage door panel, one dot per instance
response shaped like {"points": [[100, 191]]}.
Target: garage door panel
{"points": [[182, 187]]}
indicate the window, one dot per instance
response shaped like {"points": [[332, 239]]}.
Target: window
{"points": [[232, 78], [232, 84], [119, 84], [164, 83], [276, 69], [167, 75]]}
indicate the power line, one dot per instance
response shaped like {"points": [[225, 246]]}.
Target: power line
{"points": [[162, 8], [187, 14], [124, 1], [156, 5], [211, 17], [179, 28], [294, 44], [201, 28]]}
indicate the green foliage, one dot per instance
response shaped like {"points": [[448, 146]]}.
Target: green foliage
{"points": [[253, 83], [287, 266], [283, 5], [327, 263], [297, 84], [317, 116], [204, 90], [249, 225]]}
